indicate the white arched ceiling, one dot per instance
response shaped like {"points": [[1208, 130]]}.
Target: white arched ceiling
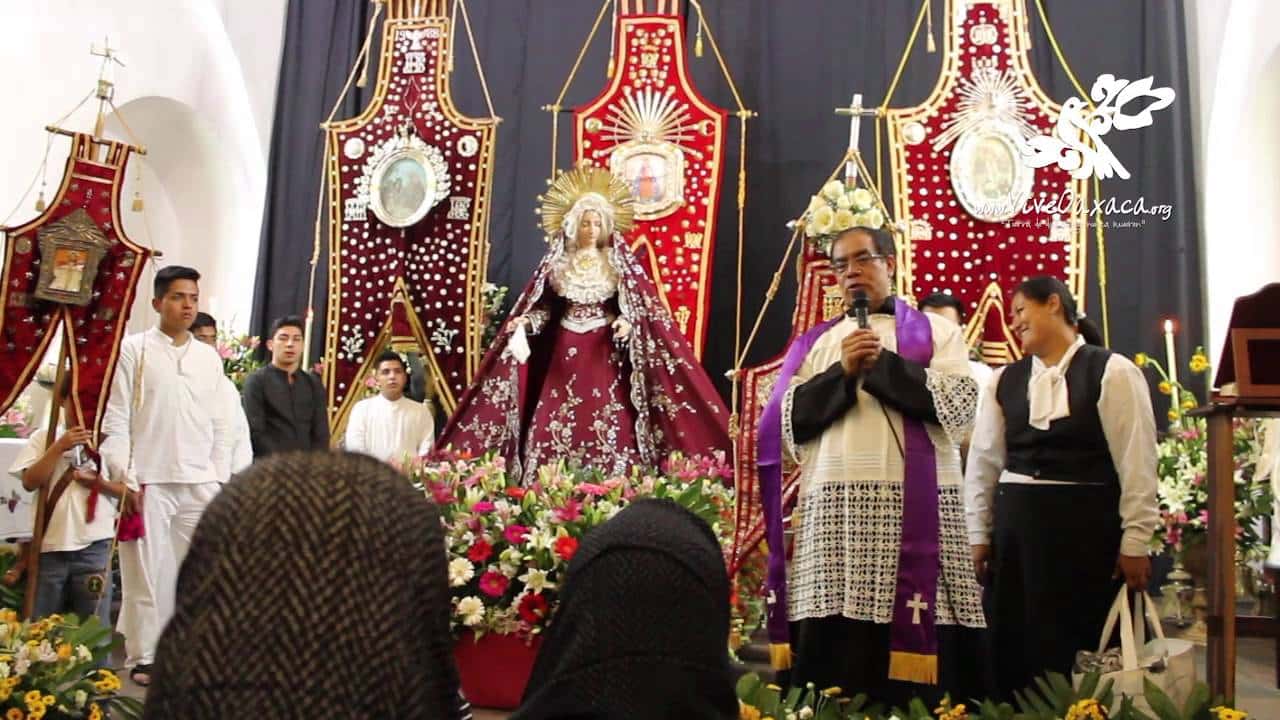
{"points": [[209, 66], [195, 207]]}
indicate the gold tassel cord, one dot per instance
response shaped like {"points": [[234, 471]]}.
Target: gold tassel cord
{"points": [[930, 45], [613, 40]]}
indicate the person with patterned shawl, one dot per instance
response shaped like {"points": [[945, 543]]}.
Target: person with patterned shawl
{"points": [[880, 596], [591, 369]]}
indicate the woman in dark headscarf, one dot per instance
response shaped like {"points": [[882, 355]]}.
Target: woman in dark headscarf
{"points": [[315, 587], [642, 628]]}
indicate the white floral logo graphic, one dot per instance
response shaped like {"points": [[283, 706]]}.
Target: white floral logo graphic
{"points": [[1076, 144]]}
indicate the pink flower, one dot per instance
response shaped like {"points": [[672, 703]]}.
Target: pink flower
{"points": [[570, 511], [225, 352], [516, 534], [493, 584], [614, 483], [442, 494], [592, 489], [1198, 479], [484, 507]]}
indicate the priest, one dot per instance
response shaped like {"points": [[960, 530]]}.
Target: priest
{"points": [[880, 596]]}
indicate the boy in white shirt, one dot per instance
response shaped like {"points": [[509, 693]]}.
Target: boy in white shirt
{"points": [[168, 438], [390, 426], [76, 550]]}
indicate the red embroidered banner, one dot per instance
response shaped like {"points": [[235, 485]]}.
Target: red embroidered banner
{"points": [[652, 128], [71, 270], [409, 182], [981, 220]]}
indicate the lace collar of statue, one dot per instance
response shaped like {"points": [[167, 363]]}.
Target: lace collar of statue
{"points": [[584, 276]]}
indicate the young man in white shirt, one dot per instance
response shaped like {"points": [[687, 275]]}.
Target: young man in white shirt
{"points": [[75, 551], [166, 438], [205, 329], [390, 426]]}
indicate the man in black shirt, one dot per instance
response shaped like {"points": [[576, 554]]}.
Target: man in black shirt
{"points": [[286, 406]]}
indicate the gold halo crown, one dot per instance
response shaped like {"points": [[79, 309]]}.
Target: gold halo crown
{"points": [[570, 186]]}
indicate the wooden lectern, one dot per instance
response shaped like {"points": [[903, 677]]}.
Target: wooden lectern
{"points": [[1250, 362]]}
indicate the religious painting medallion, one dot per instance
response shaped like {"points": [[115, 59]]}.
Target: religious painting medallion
{"points": [[404, 178], [988, 175], [70, 251]]}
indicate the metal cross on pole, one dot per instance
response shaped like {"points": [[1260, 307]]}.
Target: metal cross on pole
{"points": [[855, 111]]}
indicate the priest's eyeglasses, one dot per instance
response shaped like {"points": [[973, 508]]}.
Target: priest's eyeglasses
{"points": [[861, 261]]}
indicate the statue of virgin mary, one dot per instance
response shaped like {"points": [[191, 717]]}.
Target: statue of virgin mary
{"points": [[590, 368]]}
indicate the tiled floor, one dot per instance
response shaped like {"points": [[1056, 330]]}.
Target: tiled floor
{"points": [[1255, 682]]}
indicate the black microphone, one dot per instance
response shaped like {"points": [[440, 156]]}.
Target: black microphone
{"points": [[860, 305]]}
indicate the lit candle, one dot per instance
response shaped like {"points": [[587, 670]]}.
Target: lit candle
{"points": [[1171, 363]]}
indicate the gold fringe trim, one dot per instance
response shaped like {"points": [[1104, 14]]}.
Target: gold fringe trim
{"points": [[913, 667], [780, 656]]}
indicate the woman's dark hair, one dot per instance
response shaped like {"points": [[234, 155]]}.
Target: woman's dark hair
{"points": [[1043, 287]]}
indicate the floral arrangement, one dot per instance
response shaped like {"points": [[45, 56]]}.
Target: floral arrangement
{"points": [[238, 353], [508, 545], [837, 208], [1053, 698], [1182, 468], [51, 667], [16, 421], [747, 599]]}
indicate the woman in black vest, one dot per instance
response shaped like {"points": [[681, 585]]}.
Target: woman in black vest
{"points": [[1060, 489]]}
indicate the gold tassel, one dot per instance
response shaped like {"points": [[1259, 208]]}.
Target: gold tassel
{"points": [[137, 202], [613, 39], [609, 70], [913, 667], [780, 656], [40, 204], [930, 46], [697, 41]]}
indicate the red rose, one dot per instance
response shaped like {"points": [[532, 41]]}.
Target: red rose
{"points": [[493, 584], [516, 493], [532, 608], [479, 552], [566, 547]]}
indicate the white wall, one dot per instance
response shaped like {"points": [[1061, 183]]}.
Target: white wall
{"points": [[1234, 49], [198, 90]]}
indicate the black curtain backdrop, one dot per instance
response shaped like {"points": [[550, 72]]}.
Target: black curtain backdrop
{"points": [[794, 62]]}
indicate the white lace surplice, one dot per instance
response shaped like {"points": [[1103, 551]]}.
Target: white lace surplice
{"points": [[848, 516]]}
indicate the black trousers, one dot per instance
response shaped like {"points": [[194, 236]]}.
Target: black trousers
{"points": [[854, 656], [1054, 551]]}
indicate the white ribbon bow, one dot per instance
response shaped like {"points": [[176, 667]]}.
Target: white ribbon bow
{"points": [[1047, 390]]}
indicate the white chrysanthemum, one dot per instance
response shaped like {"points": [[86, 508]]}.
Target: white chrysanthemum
{"points": [[471, 610], [862, 200], [460, 572], [844, 202], [822, 221], [815, 202], [874, 218], [843, 220], [833, 190]]}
